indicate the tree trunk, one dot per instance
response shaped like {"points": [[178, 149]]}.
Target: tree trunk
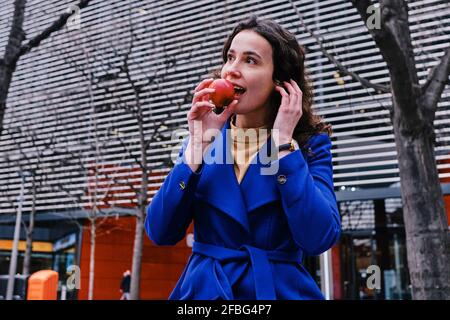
{"points": [[92, 261], [139, 233], [427, 236], [9, 62], [412, 115], [137, 259], [30, 229]]}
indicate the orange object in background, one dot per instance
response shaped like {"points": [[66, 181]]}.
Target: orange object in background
{"points": [[43, 285]]}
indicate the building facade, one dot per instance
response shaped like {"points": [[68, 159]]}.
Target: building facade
{"points": [[80, 103]]}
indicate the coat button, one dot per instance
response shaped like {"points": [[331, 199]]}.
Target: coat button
{"points": [[182, 185], [281, 179]]}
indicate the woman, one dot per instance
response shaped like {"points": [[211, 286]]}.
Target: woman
{"points": [[252, 229]]}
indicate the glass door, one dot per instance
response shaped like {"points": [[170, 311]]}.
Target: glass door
{"points": [[358, 254], [385, 251]]}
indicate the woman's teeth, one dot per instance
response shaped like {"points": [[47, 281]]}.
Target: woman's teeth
{"points": [[238, 90]]}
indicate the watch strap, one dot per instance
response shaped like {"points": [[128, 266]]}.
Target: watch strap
{"points": [[287, 146]]}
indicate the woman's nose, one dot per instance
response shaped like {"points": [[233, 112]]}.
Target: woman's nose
{"points": [[232, 72]]}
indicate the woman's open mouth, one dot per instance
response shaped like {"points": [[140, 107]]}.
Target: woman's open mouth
{"points": [[238, 92]]}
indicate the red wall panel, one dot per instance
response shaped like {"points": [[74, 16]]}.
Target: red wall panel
{"points": [[161, 266]]}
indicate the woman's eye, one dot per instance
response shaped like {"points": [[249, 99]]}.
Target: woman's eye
{"points": [[248, 59]]}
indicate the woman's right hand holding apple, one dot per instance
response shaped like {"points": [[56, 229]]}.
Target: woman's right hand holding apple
{"points": [[202, 118]]}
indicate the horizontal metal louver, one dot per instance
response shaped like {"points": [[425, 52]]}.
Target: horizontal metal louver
{"points": [[52, 115]]}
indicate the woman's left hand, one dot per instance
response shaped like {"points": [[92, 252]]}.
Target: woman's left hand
{"points": [[290, 111]]}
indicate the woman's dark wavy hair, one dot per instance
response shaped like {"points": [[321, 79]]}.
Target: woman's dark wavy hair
{"points": [[289, 63]]}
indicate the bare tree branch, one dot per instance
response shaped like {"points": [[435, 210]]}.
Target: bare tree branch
{"points": [[393, 39], [15, 49], [364, 82], [436, 82], [55, 26], [362, 7]]}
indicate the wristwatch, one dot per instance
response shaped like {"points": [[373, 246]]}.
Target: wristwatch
{"points": [[287, 146]]}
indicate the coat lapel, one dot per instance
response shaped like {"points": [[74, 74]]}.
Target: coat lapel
{"points": [[219, 187], [258, 185], [218, 184]]}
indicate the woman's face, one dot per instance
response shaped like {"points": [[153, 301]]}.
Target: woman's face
{"points": [[250, 66]]}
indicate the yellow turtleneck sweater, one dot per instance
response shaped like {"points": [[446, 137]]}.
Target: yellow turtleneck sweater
{"points": [[246, 144]]}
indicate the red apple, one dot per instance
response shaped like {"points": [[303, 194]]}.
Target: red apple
{"points": [[224, 93]]}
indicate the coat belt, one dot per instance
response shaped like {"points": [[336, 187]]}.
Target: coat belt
{"points": [[259, 262]]}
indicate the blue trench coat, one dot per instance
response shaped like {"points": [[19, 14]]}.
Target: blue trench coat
{"points": [[249, 238]]}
